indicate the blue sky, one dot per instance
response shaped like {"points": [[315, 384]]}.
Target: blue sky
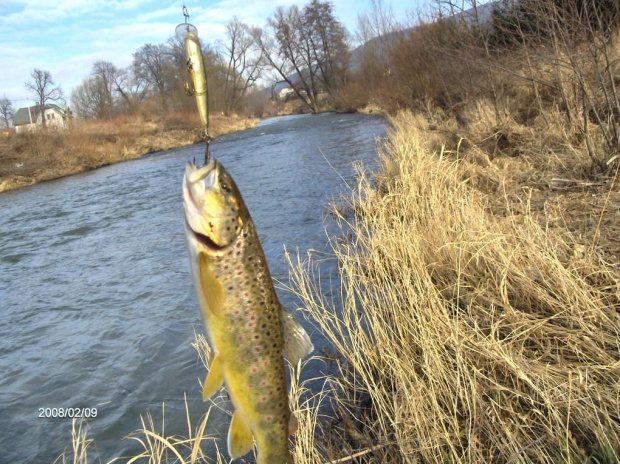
{"points": [[66, 37]]}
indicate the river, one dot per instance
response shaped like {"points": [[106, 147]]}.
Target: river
{"points": [[96, 299]]}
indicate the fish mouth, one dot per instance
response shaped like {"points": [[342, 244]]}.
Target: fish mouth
{"points": [[204, 173], [196, 181], [203, 239]]}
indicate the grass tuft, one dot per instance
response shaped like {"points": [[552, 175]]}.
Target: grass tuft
{"points": [[80, 443]]}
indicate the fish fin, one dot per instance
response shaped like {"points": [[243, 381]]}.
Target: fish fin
{"points": [[239, 437], [214, 379], [210, 287], [293, 424], [297, 343]]}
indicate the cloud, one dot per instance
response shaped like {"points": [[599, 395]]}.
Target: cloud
{"points": [[169, 11], [13, 76], [37, 11], [139, 33]]}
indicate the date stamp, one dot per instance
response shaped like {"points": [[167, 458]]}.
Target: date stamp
{"points": [[55, 413]]}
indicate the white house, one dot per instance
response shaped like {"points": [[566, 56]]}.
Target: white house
{"points": [[286, 93], [30, 118]]}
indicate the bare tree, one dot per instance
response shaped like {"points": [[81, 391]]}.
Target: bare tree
{"points": [[328, 42], [244, 63], [153, 65], [378, 22], [94, 98], [105, 75], [6, 111], [131, 90], [88, 100], [307, 49], [283, 46], [45, 88]]}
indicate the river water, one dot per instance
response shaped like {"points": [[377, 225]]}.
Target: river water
{"points": [[96, 299]]}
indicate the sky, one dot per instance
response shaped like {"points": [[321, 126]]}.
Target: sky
{"points": [[66, 37]]}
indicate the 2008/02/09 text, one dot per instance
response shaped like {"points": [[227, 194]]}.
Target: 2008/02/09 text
{"points": [[67, 412]]}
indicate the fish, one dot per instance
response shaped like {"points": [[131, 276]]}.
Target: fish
{"points": [[247, 327]]}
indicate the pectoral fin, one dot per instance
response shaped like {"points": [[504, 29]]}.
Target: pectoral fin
{"points": [[214, 380], [210, 287], [239, 437], [297, 343]]}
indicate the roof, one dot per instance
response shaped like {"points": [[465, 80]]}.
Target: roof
{"points": [[22, 117]]}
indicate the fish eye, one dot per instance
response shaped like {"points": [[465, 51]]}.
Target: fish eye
{"points": [[224, 186]]}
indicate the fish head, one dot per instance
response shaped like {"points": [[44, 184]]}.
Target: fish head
{"points": [[213, 206]]}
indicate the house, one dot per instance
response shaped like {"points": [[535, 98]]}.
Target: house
{"points": [[286, 94], [281, 91], [30, 118]]}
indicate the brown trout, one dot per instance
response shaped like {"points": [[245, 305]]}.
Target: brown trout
{"points": [[247, 327]]}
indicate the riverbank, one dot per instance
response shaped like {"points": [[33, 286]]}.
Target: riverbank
{"points": [[480, 297], [26, 159]]}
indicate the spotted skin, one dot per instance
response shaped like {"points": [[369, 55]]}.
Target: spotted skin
{"points": [[240, 309]]}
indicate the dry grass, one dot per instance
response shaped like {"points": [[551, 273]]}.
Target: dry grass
{"points": [[467, 336], [159, 447], [542, 170], [79, 445], [32, 157]]}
